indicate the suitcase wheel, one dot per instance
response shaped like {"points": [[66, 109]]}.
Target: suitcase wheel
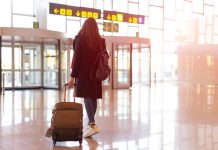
{"points": [[54, 142], [80, 142], [54, 138]]}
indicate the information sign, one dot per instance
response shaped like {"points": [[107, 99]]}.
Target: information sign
{"points": [[111, 27], [36, 25], [123, 17], [66, 10]]}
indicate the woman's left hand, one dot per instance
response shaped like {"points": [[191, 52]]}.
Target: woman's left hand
{"points": [[71, 82]]}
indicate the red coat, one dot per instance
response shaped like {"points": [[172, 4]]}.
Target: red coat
{"points": [[83, 60], [72, 63]]}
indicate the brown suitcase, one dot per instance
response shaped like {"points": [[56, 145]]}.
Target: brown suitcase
{"points": [[67, 121]]}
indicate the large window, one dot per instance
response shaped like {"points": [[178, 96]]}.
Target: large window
{"points": [[88, 3], [23, 13], [73, 28], [215, 11], [167, 22], [107, 5], [24, 6], [156, 2], [133, 8], [5, 13], [23, 21], [6, 58], [169, 30], [133, 31], [197, 6], [156, 17], [169, 9], [74, 2], [117, 4], [56, 23]]}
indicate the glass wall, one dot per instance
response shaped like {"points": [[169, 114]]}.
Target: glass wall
{"points": [[27, 66], [66, 58], [121, 65], [168, 23], [21, 66], [23, 15], [7, 65], [140, 64]]}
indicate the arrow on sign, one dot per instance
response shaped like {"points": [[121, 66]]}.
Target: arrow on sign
{"points": [[108, 17], [130, 19], [78, 13], [56, 11], [107, 27]]}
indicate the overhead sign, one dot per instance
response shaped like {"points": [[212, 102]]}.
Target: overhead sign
{"points": [[123, 17], [35, 24], [66, 10], [111, 27]]}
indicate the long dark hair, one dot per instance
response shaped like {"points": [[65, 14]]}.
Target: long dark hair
{"points": [[90, 32]]}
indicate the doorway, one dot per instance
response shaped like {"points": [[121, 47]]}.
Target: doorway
{"points": [[30, 58], [130, 65], [27, 66], [121, 65], [50, 68], [21, 66], [141, 64]]}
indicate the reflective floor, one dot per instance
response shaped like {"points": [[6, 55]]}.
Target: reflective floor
{"points": [[160, 117]]}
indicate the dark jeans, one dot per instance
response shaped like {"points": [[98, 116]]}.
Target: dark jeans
{"points": [[91, 107]]}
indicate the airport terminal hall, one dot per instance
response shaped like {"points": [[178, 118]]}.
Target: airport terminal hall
{"points": [[108, 75]]}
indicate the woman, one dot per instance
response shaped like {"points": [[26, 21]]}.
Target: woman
{"points": [[87, 44]]}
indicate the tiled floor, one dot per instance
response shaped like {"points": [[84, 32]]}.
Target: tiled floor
{"points": [[160, 117]]}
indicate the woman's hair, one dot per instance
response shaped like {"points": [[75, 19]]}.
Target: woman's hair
{"points": [[90, 32]]}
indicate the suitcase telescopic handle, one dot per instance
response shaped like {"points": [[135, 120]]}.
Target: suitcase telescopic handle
{"points": [[65, 91]]}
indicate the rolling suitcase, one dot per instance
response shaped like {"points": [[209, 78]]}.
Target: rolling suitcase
{"points": [[67, 121]]}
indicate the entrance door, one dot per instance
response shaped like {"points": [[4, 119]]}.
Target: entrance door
{"points": [[121, 65], [50, 66], [6, 65], [21, 66], [31, 72], [141, 64]]}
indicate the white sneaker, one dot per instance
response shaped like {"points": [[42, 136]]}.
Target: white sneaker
{"points": [[91, 131]]}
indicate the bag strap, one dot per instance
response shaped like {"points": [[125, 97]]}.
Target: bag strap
{"points": [[92, 74], [95, 65]]}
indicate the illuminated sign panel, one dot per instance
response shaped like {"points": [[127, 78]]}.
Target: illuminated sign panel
{"points": [[111, 27], [35, 25], [123, 17], [66, 10]]}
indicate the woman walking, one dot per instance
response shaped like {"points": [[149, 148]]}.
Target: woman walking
{"points": [[87, 45]]}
